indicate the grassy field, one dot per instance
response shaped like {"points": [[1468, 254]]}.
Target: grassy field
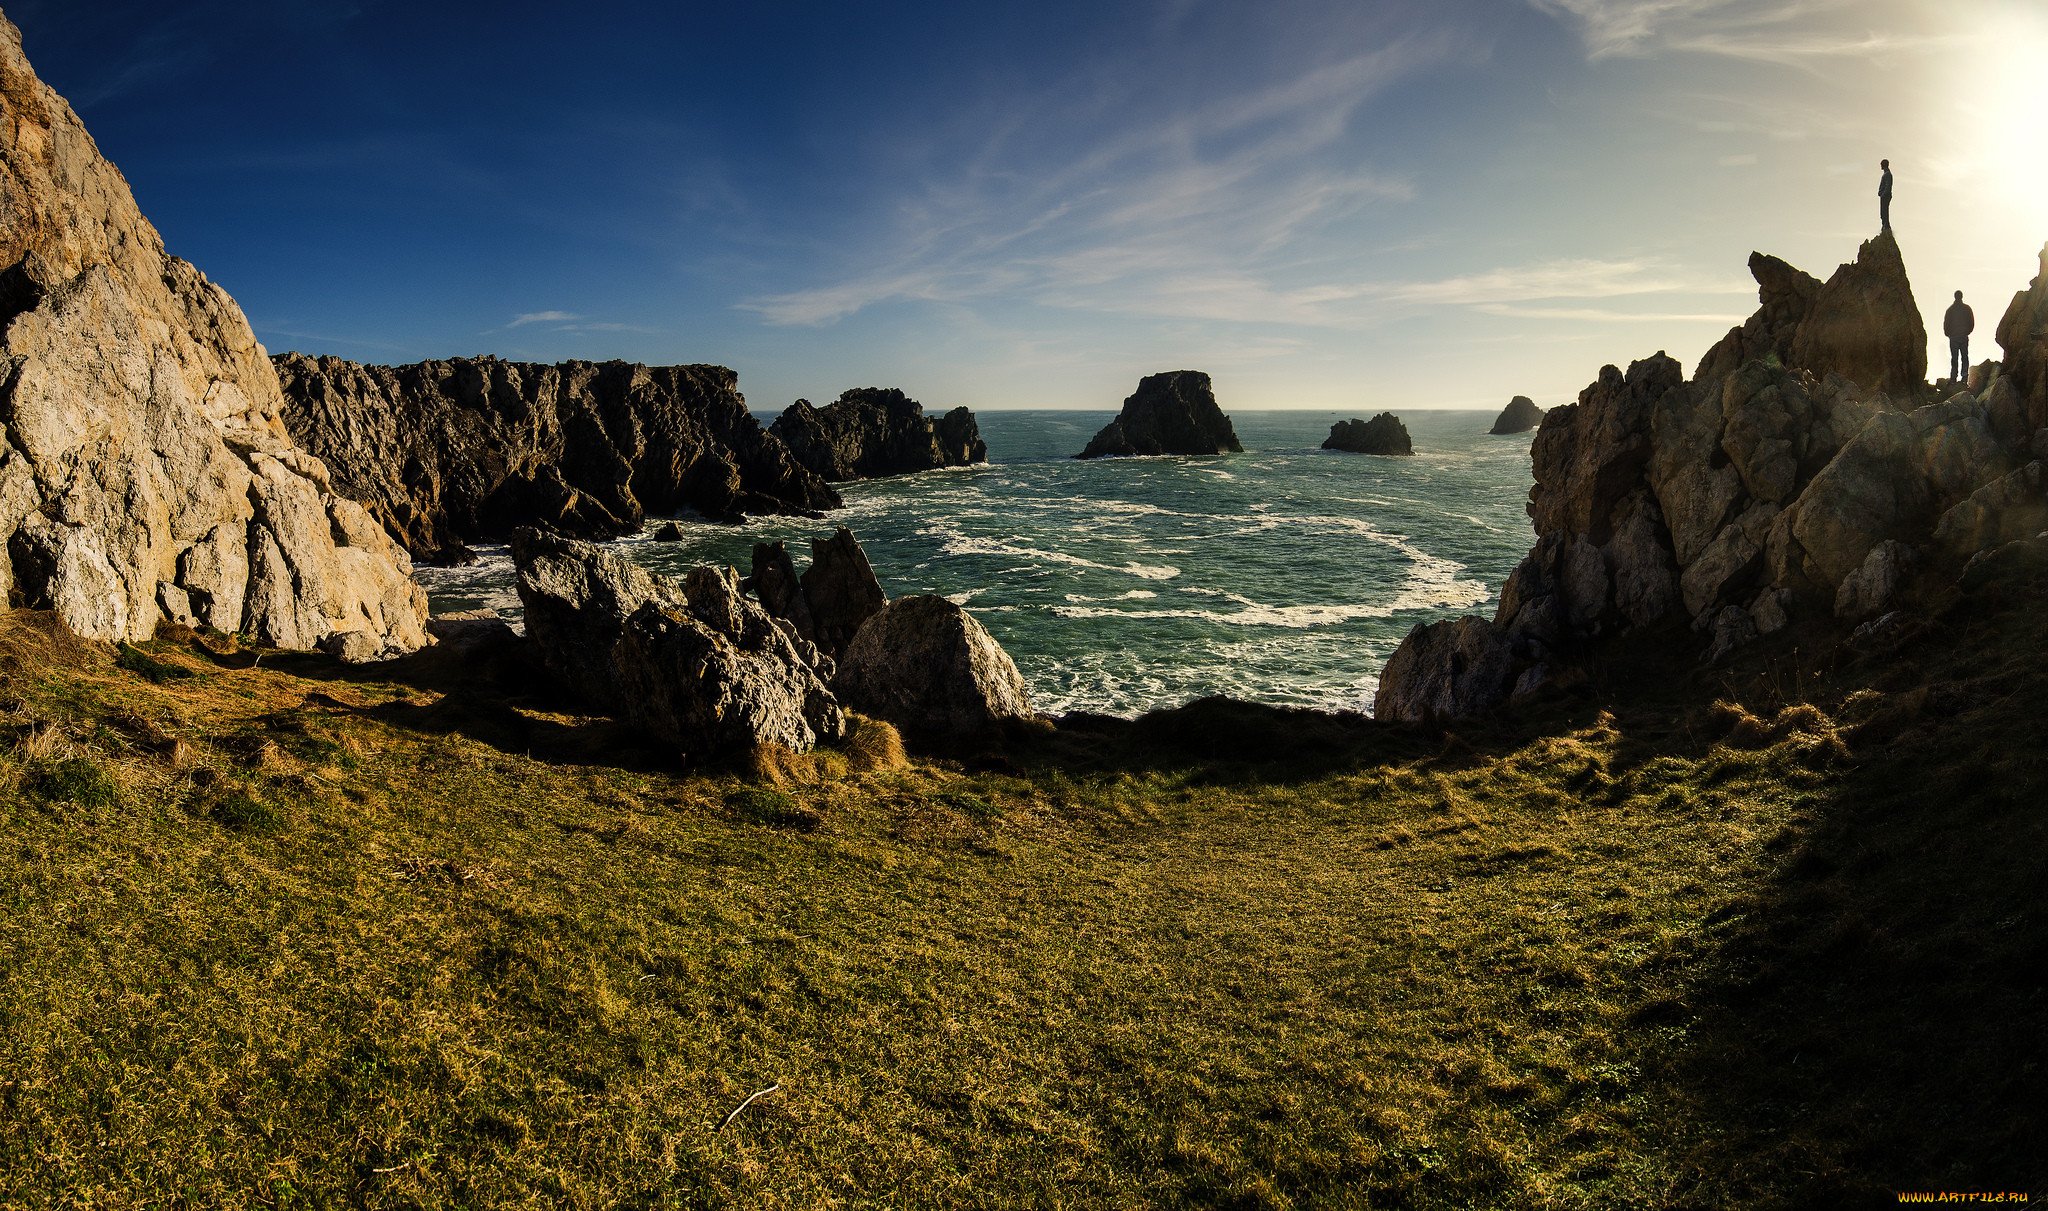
{"points": [[278, 933]]}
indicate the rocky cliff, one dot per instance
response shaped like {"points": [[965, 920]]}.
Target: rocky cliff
{"points": [[450, 452], [1383, 434], [146, 473], [1773, 488], [871, 432], [1170, 413], [1520, 416]]}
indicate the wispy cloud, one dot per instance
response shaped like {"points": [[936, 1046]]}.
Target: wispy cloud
{"points": [[543, 317], [1799, 33], [1191, 214], [1608, 315]]}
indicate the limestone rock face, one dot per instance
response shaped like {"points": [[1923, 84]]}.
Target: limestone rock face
{"points": [[1447, 670], [2023, 335], [1170, 413], [925, 665], [841, 589], [689, 660], [1775, 488], [1865, 326], [450, 452], [871, 432], [145, 472], [1520, 416], [1383, 434], [1786, 296]]}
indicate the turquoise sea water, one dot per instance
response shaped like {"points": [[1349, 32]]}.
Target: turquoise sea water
{"points": [[1286, 574]]}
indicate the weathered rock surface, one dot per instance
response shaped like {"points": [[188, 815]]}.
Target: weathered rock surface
{"points": [[445, 453], [925, 665], [870, 432], [145, 472], [1447, 670], [689, 660], [1520, 416], [1865, 326], [2023, 335], [1775, 488], [841, 589], [1170, 413], [1383, 434]]}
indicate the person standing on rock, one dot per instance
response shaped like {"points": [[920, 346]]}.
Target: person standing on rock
{"points": [[1959, 323], [1884, 195]]}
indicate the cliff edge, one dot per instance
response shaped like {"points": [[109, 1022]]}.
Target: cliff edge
{"points": [[146, 474]]}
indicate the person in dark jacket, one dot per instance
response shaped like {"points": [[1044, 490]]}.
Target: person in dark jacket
{"points": [[1884, 195], [1959, 323]]}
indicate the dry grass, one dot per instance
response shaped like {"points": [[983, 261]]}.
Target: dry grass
{"points": [[323, 939]]}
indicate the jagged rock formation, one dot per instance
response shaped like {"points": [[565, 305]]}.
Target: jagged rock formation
{"points": [[1520, 416], [689, 660], [1771, 489], [450, 452], [1170, 413], [2023, 335], [835, 595], [1383, 434], [870, 432], [925, 665], [145, 473]]}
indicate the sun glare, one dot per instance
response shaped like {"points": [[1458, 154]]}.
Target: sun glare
{"points": [[2014, 128]]}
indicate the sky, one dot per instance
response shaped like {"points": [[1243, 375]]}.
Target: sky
{"points": [[1355, 205]]}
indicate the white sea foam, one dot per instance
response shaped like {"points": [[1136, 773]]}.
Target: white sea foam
{"points": [[952, 542]]}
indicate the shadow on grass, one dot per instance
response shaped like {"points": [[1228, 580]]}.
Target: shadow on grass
{"points": [[1875, 1018]]}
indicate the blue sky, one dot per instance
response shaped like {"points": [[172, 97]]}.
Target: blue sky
{"points": [[1344, 205]]}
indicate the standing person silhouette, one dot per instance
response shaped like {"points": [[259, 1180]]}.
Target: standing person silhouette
{"points": [[1884, 195], [1959, 323]]}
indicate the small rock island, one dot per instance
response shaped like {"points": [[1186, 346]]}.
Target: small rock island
{"points": [[1383, 434], [1520, 416], [872, 432], [1174, 412]]}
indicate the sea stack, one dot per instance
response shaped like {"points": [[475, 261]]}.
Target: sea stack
{"points": [[872, 432], [145, 473], [1170, 413], [1383, 434], [1520, 416]]}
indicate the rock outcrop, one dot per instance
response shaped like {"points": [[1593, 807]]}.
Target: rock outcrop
{"points": [[1773, 488], [1170, 413], [871, 432], [689, 660], [446, 453], [1383, 434], [830, 601], [1520, 416], [2023, 335], [925, 665], [146, 474]]}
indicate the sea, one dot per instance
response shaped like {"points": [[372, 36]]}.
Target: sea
{"points": [[1286, 574]]}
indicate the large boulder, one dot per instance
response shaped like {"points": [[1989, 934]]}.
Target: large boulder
{"points": [[689, 660], [1383, 434], [1170, 413], [447, 453], [1520, 416], [870, 432], [1447, 670], [145, 472], [1865, 326], [925, 665]]}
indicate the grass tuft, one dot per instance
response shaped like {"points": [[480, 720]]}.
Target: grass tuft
{"points": [[76, 779], [873, 745]]}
